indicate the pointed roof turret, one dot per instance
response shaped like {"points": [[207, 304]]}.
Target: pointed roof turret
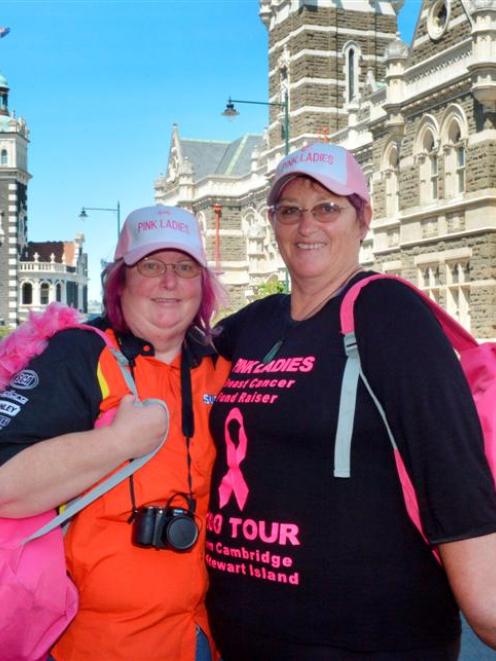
{"points": [[396, 49]]}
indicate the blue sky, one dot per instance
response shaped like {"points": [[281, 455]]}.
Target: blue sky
{"points": [[100, 84]]}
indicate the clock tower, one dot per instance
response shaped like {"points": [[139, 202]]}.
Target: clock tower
{"points": [[14, 179], [326, 56]]}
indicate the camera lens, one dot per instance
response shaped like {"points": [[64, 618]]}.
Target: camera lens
{"points": [[181, 532]]}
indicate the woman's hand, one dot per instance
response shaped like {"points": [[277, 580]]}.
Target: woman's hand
{"points": [[54, 471], [138, 427]]}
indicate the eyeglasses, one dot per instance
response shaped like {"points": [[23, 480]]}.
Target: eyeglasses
{"points": [[289, 214], [153, 268]]}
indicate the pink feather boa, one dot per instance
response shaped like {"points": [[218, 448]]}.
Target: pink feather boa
{"points": [[31, 338]]}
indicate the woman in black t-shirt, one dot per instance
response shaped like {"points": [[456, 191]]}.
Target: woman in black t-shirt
{"points": [[306, 566]]}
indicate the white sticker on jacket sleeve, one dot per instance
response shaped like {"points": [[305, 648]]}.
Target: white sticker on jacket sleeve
{"points": [[9, 408], [4, 421]]}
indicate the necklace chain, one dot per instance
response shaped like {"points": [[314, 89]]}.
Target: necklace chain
{"points": [[334, 292], [274, 350]]}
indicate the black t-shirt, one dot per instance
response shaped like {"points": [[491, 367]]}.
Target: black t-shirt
{"points": [[56, 393], [59, 391], [296, 554]]}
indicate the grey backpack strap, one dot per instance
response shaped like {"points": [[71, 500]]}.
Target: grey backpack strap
{"points": [[126, 471], [347, 406], [123, 363], [380, 409], [80, 503]]}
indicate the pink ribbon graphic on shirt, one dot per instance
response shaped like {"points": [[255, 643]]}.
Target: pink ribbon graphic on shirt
{"points": [[233, 481]]}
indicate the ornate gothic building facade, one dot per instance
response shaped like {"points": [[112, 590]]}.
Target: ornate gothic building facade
{"points": [[421, 119]]}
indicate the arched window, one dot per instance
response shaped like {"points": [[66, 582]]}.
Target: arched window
{"points": [[431, 151], [453, 141], [448, 282], [4, 157], [458, 157], [428, 280], [458, 290], [283, 65], [27, 293], [391, 173], [460, 167], [351, 74], [429, 171], [351, 71], [44, 293]]}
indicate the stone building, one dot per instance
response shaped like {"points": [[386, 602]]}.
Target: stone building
{"points": [[14, 179], [53, 271], [421, 119], [223, 183], [31, 274]]}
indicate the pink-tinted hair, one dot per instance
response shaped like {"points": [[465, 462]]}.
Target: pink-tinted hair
{"points": [[359, 204], [114, 278]]}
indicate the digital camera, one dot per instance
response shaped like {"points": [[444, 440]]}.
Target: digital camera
{"points": [[165, 528]]}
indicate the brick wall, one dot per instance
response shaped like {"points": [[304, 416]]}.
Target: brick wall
{"points": [[237, 299], [331, 96], [482, 268], [481, 166]]}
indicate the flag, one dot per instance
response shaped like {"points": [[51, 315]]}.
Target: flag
{"points": [[4, 32]]}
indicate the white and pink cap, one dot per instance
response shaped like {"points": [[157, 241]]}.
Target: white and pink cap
{"points": [[332, 166], [159, 228]]}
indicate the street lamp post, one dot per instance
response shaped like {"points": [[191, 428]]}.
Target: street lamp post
{"points": [[230, 111], [116, 210]]}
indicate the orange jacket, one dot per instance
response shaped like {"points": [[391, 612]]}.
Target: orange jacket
{"points": [[144, 604]]}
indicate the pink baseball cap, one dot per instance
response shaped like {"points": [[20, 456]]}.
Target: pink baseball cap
{"points": [[334, 167], [157, 228]]}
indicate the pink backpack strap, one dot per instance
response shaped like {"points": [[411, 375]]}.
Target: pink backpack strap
{"points": [[118, 355], [457, 335], [460, 339], [99, 332]]}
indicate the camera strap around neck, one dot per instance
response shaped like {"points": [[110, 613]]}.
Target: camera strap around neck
{"points": [[187, 428]]}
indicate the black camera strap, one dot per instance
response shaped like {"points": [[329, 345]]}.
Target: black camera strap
{"points": [[187, 418], [187, 427]]}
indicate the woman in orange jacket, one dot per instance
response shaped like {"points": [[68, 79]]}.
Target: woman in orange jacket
{"points": [[136, 555]]}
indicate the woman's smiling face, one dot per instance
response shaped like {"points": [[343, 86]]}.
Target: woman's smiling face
{"points": [[314, 250], [162, 306]]}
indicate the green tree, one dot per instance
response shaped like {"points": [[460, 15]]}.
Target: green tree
{"points": [[272, 286]]}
